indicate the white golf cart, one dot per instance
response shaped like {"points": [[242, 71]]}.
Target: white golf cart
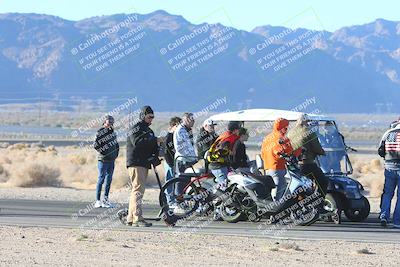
{"points": [[344, 193]]}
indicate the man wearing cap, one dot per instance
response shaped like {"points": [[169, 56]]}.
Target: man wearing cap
{"points": [[141, 154], [106, 144], [206, 137]]}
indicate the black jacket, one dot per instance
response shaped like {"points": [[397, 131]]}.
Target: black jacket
{"points": [[106, 144], [169, 149], [204, 141], [240, 157], [141, 146]]}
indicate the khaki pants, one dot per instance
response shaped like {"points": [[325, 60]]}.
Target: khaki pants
{"points": [[138, 177]]}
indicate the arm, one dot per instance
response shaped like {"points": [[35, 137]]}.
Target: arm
{"points": [[381, 149], [138, 137], [316, 147], [96, 144]]}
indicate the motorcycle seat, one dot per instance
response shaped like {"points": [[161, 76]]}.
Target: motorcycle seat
{"points": [[266, 180]]}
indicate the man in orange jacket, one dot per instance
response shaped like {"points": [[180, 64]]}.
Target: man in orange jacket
{"points": [[271, 151]]}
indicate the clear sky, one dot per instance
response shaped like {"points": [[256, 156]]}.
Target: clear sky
{"points": [[315, 14]]}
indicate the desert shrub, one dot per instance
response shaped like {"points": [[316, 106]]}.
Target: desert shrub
{"points": [[77, 159], [36, 175]]}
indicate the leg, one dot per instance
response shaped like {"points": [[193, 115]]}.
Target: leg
{"points": [[280, 181], [322, 180], [179, 187], [109, 176], [221, 175], [313, 172], [100, 181], [281, 184], [396, 214], [388, 192], [168, 176], [138, 177]]}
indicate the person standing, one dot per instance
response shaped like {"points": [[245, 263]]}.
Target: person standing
{"points": [[141, 154], [106, 144], [185, 154], [206, 137], [389, 149], [170, 152]]}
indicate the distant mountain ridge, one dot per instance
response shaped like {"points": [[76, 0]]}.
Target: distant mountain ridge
{"points": [[354, 69]]}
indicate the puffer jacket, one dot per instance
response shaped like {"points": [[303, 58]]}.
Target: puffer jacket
{"points": [[106, 144], [141, 146]]}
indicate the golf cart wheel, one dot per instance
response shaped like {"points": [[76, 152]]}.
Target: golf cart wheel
{"points": [[331, 203], [358, 215]]}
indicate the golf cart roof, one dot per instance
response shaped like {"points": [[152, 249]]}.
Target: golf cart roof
{"points": [[262, 115]]}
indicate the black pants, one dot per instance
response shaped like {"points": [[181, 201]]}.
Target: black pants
{"points": [[313, 172]]}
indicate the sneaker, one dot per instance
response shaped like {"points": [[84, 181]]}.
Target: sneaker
{"points": [[383, 222], [397, 226], [141, 223], [98, 204], [107, 204]]}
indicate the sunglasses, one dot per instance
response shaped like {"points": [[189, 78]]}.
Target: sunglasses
{"points": [[151, 117]]}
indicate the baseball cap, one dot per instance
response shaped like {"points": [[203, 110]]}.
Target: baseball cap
{"points": [[209, 122]]}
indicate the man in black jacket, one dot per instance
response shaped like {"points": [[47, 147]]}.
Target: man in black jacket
{"points": [[141, 154], [106, 145]]}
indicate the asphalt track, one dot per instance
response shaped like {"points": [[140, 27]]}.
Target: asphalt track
{"points": [[79, 215]]}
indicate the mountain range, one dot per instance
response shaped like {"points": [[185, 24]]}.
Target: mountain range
{"points": [[175, 65]]}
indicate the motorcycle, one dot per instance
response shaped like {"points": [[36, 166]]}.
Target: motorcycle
{"points": [[251, 198]]}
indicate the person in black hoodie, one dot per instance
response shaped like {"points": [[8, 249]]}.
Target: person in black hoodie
{"points": [[240, 158], [106, 145], [141, 154], [170, 152]]}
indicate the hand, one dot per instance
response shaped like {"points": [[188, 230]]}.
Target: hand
{"points": [[161, 139]]}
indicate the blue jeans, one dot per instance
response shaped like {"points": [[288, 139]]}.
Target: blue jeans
{"points": [[221, 175], [392, 180], [168, 176], [280, 181], [182, 166], [106, 170]]}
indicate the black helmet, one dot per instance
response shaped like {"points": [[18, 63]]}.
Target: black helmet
{"points": [[233, 125]]}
